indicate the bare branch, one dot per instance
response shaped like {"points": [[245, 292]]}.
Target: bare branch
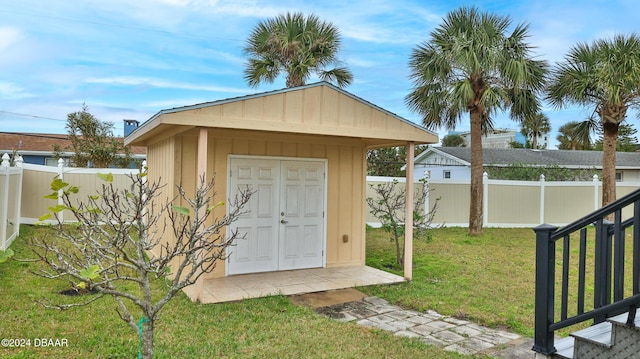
{"points": [[70, 305], [122, 236], [388, 206]]}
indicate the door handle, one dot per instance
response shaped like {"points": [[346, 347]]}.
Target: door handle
{"points": [[284, 221]]}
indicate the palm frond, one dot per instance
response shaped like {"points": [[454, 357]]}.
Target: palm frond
{"points": [[470, 62], [297, 45]]}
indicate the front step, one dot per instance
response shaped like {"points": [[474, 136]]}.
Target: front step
{"points": [[593, 342], [609, 339], [564, 348], [622, 319]]}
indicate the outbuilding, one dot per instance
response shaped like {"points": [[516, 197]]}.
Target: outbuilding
{"points": [[303, 150]]}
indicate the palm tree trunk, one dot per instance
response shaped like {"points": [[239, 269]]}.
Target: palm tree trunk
{"points": [[475, 210], [609, 140], [294, 80]]}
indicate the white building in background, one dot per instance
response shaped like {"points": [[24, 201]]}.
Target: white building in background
{"points": [[455, 162], [497, 138]]}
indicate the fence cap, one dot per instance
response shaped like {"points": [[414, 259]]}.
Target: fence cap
{"points": [[5, 160], [545, 227]]}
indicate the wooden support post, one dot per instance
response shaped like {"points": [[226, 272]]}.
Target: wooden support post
{"points": [[408, 222], [196, 291]]}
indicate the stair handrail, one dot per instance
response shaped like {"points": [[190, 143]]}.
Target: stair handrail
{"points": [[546, 237]]}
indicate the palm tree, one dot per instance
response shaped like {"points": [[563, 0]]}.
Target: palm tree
{"points": [[535, 126], [471, 65], [575, 135], [626, 141], [452, 140], [606, 75], [297, 45]]}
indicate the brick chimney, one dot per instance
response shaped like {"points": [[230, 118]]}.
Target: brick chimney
{"points": [[130, 126]]}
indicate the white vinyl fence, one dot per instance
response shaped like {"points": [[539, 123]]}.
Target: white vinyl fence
{"points": [[506, 203], [513, 203], [37, 184], [10, 189]]}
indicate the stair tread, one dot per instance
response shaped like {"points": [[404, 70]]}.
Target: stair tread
{"points": [[598, 334], [564, 347], [622, 318]]}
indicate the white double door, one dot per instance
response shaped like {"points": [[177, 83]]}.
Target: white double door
{"points": [[284, 226]]}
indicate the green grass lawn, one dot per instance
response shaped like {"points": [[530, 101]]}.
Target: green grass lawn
{"points": [[489, 279], [260, 328]]}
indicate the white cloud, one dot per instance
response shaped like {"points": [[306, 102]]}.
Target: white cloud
{"points": [[8, 37], [12, 91], [165, 104], [143, 81], [360, 62], [177, 3]]}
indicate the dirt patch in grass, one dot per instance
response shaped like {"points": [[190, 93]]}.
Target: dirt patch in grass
{"points": [[337, 311], [76, 292], [327, 298]]}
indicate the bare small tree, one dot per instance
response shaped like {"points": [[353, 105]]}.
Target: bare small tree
{"points": [[120, 239], [388, 206]]}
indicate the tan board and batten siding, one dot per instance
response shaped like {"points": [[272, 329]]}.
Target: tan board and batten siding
{"points": [[313, 121]]}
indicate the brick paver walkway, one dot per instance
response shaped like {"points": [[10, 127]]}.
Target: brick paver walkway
{"points": [[450, 333]]}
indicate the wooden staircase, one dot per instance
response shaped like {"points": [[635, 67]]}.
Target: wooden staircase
{"points": [[613, 338]]}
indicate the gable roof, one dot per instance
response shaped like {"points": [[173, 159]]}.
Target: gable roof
{"points": [[41, 143], [316, 109], [507, 156]]}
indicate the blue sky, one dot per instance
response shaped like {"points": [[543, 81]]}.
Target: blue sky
{"points": [[129, 59]]}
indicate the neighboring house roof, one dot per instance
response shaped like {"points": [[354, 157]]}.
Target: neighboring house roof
{"points": [[507, 156], [42, 143], [315, 109]]}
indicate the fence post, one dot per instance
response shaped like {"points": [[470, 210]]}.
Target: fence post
{"points": [[485, 199], [4, 206], [61, 177], [542, 209], [595, 192], [18, 162], [545, 291]]}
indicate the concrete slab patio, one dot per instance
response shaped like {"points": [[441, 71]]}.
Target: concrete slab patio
{"points": [[245, 286]]}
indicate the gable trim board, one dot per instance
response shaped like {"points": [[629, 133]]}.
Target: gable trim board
{"points": [[315, 109]]}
